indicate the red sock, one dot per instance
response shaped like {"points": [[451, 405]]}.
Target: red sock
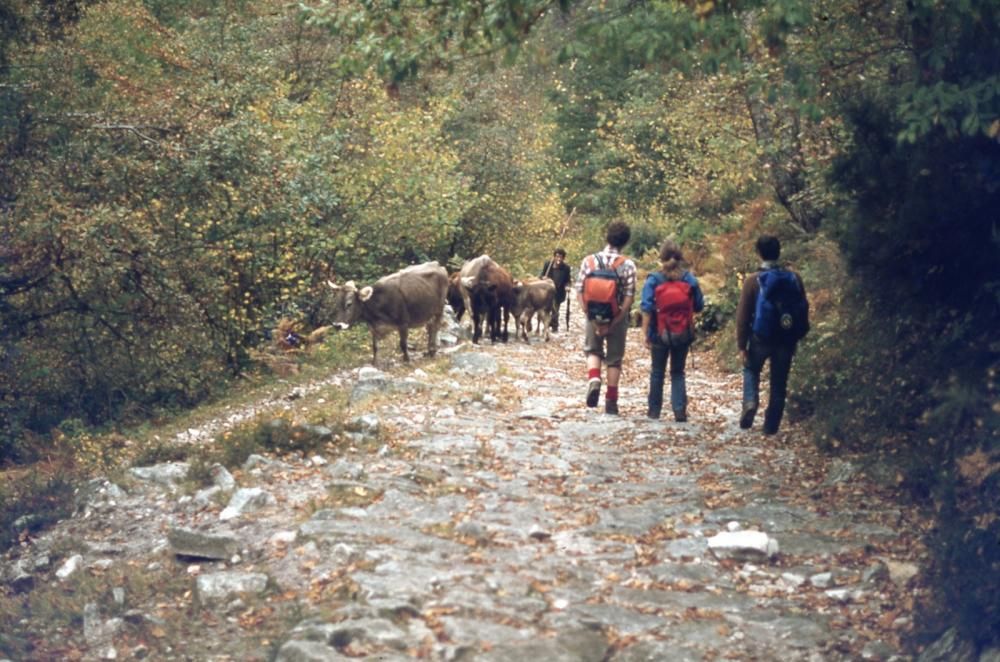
{"points": [[611, 393], [593, 373]]}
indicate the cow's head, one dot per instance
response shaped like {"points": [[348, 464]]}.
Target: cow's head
{"points": [[345, 303]]}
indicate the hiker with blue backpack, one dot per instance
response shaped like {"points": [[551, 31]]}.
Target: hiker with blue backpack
{"points": [[670, 298], [772, 317]]}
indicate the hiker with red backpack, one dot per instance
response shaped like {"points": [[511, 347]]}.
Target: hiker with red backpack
{"points": [[605, 288], [670, 298], [772, 316]]}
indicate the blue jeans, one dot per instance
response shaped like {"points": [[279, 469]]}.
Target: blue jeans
{"points": [[781, 364], [678, 388]]}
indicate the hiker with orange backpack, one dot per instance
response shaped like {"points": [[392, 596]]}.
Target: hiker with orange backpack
{"points": [[670, 298], [605, 288]]}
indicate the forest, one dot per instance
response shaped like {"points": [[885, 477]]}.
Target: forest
{"points": [[176, 176]]}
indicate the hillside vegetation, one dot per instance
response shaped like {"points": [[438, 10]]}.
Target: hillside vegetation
{"points": [[178, 176]]}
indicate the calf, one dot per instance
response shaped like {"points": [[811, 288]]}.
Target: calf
{"points": [[401, 301], [533, 297]]}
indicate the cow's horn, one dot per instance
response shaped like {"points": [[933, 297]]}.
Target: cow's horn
{"points": [[332, 286], [468, 281], [366, 293], [349, 285]]}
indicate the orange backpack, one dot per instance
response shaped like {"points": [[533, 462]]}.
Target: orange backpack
{"points": [[602, 293]]}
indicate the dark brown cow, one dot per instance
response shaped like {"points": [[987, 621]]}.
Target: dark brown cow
{"points": [[533, 297], [487, 290], [401, 301], [455, 295]]}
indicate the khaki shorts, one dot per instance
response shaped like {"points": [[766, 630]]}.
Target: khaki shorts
{"points": [[611, 348]]}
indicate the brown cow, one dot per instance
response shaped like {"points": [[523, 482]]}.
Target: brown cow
{"points": [[401, 301], [487, 290], [533, 297], [455, 295]]}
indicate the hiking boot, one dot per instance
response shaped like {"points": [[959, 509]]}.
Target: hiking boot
{"points": [[746, 418], [593, 391], [681, 415], [611, 407], [654, 415], [770, 431]]}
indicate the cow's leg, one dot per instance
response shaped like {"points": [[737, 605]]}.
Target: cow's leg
{"points": [[505, 312], [467, 302], [432, 335], [544, 319], [374, 347], [403, 332], [477, 329], [493, 322]]}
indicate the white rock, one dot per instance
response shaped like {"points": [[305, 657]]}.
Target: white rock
{"points": [[901, 573], [793, 579], [733, 526], [743, 545], [844, 594], [368, 372], [283, 538], [245, 500], [822, 580], [71, 565]]}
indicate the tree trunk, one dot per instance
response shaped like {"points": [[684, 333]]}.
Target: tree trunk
{"points": [[777, 133]]}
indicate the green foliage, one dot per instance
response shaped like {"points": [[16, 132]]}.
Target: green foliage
{"points": [[32, 501], [917, 224], [174, 188]]}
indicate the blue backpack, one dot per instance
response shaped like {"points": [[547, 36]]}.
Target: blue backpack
{"points": [[782, 312]]}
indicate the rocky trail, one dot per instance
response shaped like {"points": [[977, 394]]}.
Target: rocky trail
{"points": [[481, 512]]}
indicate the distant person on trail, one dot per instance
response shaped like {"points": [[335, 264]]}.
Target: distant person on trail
{"points": [[558, 271], [605, 287], [670, 297], [773, 315]]}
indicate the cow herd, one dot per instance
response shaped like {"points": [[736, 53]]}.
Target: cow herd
{"points": [[416, 296]]}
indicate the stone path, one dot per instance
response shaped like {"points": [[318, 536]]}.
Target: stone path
{"points": [[483, 513]]}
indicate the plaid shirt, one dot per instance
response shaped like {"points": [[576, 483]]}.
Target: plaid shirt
{"points": [[626, 271]]}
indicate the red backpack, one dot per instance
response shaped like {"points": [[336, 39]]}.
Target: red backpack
{"points": [[674, 313]]}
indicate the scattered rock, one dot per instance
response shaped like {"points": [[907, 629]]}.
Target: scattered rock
{"points": [[222, 478], [743, 545], [69, 566], [167, 474], [901, 572], [822, 580], [216, 587], [247, 499], [308, 651], [186, 542]]}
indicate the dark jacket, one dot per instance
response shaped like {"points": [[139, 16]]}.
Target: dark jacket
{"points": [[748, 304], [560, 276]]}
